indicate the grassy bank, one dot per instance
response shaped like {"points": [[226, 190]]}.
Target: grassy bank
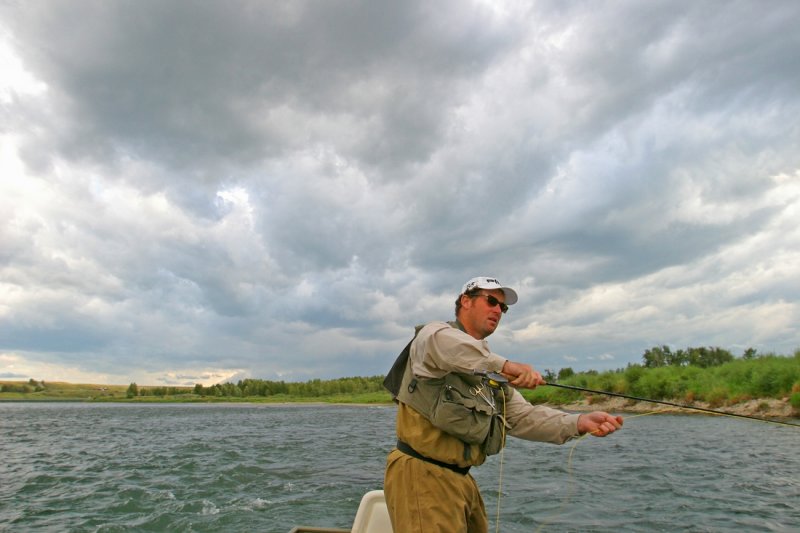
{"points": [[731, 383], [59, 391]]}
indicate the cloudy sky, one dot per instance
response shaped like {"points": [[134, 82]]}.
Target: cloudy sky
{"points": [[194, 192]]}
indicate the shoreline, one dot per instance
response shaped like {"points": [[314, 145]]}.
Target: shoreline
{"points": [[760, 408]]}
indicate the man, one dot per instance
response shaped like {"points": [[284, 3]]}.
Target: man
{"points": [[454, 410]]}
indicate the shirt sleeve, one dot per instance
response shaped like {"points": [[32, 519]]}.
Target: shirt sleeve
{"points": [[439, 349], [538, 422]]}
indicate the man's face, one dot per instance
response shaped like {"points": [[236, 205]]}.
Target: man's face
{"points": [[478, 317]]}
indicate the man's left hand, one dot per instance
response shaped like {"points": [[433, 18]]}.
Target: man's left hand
{"points": [[598, 423]]}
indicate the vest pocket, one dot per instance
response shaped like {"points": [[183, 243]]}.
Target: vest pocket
{"points": [[461, 414]]}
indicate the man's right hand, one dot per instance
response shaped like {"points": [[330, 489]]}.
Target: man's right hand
{"points": [[521, 375]]}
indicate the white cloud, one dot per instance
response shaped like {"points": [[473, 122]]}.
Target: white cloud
{"points": [[15, 80]]}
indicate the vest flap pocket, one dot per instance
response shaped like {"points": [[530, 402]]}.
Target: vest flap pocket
{"points": [[465, 417]]}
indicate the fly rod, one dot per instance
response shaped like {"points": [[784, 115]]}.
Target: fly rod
{"points": [[672, 404]]}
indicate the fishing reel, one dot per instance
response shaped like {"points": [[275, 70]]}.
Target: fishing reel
{"points": [[493, 379]]}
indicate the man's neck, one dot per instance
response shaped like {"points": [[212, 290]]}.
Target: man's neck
{"points": [[460, 325]]}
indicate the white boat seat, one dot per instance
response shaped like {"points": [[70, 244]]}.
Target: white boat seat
{"points": [[372, 515]]}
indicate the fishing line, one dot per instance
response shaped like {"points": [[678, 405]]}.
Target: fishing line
{"points": [[571, 477], [673, 404], [500, 475]]}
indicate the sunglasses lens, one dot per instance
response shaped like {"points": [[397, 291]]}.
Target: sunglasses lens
{"points": [[494, 301]]}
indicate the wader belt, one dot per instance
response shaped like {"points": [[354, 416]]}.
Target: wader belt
{"points": [[408, 450]]}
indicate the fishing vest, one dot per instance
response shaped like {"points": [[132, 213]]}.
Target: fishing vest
{"points": [[468, 407]]}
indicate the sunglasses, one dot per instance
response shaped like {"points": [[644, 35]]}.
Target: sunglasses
{"points": [[492, 301]]}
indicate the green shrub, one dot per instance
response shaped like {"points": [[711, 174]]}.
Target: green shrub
{"points": [[632, 374], [716, 398], [795, 400]]}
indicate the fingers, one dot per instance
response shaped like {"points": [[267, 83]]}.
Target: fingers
{"points": [[528, 380], [607, 424], [599, 423], [522, 375]]}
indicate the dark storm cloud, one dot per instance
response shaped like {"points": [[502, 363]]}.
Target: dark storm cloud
{"points": [[231, 188], [190, 85]]}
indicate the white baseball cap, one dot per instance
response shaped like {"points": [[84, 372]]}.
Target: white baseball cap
{"points": [[484, 282]]}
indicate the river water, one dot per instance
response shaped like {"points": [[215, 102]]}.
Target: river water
{"points": [[243, 467]]}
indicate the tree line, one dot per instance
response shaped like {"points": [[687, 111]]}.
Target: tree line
{"points": [[702, 357], [661, 356], [134, 390], [309, 389]]}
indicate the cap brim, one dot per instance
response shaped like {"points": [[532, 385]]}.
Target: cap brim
{"points": [[511, 296]]}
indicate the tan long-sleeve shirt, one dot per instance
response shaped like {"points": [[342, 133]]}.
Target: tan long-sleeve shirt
{"points": [[439, 349]]}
